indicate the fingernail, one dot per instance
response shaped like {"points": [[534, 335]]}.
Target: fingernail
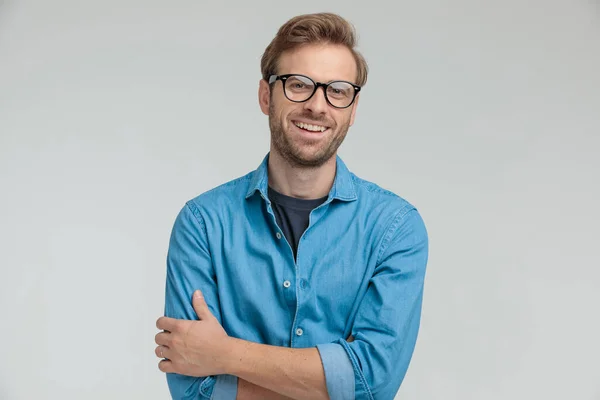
{"points": [[197, 294]]}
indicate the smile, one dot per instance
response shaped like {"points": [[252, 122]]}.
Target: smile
{"points": [[310, 127]]}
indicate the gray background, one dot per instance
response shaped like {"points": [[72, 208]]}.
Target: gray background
{"points": [[483, 114]]}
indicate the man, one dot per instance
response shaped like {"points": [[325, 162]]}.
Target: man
{"points": [[299, 280]]}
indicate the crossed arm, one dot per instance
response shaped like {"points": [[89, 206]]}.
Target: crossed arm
{"points": [[385, 327], [203, 348]]}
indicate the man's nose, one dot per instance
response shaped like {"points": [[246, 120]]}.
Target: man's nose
{"points": [[317, 103]]}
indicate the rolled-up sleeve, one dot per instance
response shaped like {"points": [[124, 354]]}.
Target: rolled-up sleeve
{"points": [[189, 267], [225, 388], [339, 374], [387, 321]]}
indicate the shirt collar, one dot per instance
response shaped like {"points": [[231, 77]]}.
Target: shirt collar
{"points": [[342, 189]]}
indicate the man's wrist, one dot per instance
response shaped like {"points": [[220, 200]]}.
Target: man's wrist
{"points": [[233, 350]]}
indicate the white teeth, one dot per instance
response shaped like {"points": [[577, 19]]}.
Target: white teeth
{"points": [[308, 127]]}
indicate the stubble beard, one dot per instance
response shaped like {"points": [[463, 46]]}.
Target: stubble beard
{"points": [[293, 153]]}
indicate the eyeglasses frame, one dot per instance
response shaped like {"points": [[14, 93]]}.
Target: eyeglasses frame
{"points": [[283, 78]]}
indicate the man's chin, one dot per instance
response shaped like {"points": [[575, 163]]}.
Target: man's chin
{"points": [[309, 160]]}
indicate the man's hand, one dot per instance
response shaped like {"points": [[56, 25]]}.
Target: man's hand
{"points": [[193, 348]]}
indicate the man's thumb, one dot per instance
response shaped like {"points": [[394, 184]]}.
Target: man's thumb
{"points": [[200, 305]]}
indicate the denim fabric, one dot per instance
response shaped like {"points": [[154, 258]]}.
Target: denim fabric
{"points": [[359, 271]]}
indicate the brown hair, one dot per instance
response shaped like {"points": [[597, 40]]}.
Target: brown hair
{"points": [[321, 28]]}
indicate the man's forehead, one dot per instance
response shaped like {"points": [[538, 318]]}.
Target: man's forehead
{"points": [[320, 62]]}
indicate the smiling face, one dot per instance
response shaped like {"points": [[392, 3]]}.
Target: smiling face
{"points": [[308, 134]]}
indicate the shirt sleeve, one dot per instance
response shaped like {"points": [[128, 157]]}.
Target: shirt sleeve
{"points": [[189, 267], [225, 388], [387, 322], [339, 374]]}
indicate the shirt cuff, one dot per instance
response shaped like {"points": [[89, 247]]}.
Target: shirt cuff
{"points": [[225, 388], [339, 374]]}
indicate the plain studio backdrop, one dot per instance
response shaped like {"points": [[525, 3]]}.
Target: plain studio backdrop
{"points": [[484, 114]]}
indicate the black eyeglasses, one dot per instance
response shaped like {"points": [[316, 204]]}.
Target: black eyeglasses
{"points": [[300, 88]]}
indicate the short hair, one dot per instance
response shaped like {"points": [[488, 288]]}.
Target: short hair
{"points": [[319, 28]]}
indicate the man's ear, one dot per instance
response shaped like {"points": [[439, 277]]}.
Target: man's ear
{"points": [[354, 105], [264, 96]]}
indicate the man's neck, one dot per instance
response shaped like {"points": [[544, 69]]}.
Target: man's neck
{"points": [[300, 182]]}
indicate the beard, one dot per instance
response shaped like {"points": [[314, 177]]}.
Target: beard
{"points": [[306, 153]]}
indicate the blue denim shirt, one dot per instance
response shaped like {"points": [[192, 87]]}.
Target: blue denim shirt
{"points": [[359, 271]]}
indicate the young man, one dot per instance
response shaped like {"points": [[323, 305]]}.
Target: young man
{"points": [[299, 280]]}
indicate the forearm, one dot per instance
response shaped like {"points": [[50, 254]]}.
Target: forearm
{"points": [[250, 391], [295, 373]]}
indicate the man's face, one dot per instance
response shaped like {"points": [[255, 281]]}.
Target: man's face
{"points": [[299, 146]]}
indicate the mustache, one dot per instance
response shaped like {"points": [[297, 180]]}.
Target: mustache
{"points": [[313, 117]]}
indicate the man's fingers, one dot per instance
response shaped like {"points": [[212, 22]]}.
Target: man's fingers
{"points": [[162, 338], [166, 324], [166, 366], [200, 306], [350, 339], [162, 352]]}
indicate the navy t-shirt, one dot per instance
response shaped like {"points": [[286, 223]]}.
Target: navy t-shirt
{"points": [[292, 215]]}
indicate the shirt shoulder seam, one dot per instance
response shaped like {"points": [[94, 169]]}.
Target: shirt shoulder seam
{"points": [[391, 229], [196, 213], [200, 219]]}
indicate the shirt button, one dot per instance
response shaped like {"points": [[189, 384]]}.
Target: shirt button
{"points": [[286, 284], [278, 235], [299, 331]]}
